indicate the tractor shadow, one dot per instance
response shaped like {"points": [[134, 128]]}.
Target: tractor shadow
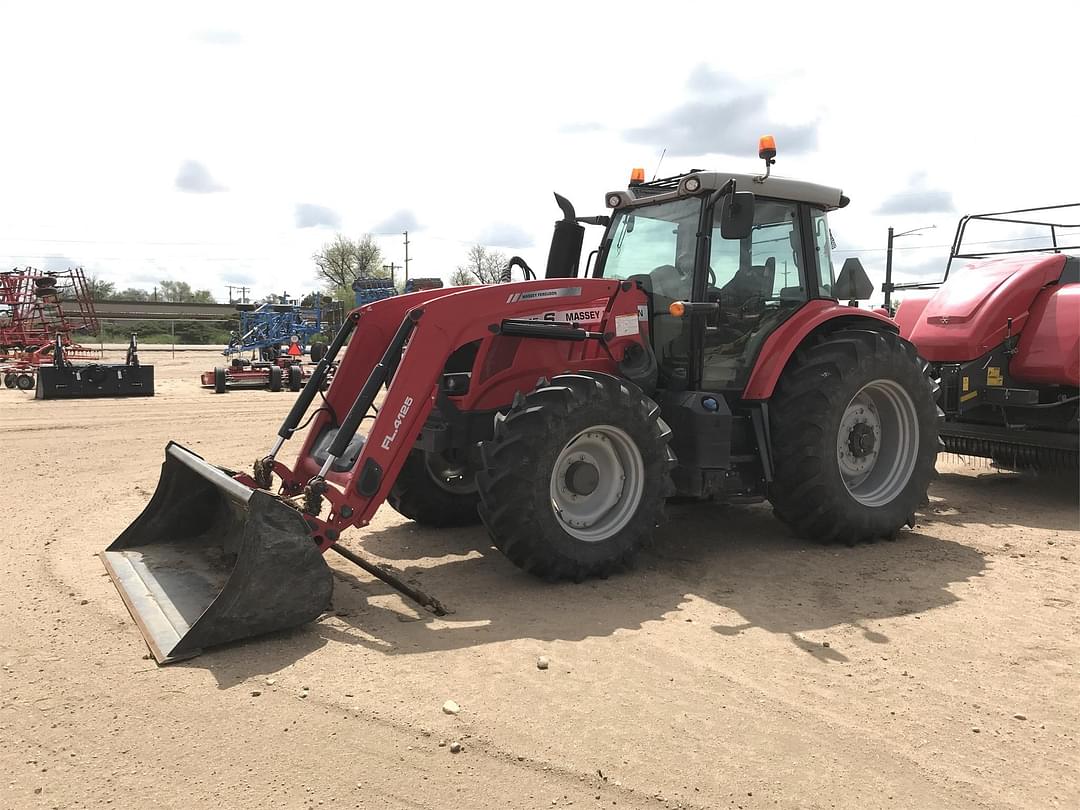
{"points": [[986, 497], [738, 558]]}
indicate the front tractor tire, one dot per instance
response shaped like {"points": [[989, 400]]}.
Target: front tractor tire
{"points": [[854, 426], [437, 489], [575, 477]]}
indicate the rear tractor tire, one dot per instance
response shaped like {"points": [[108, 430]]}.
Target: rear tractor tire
{"points": [[854, 425], [437, 489], [576, 476], [221, 380]]}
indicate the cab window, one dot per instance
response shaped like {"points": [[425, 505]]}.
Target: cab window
{"points": [[758, 282], [823, 243]]}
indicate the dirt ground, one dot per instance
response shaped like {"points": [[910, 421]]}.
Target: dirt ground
{"points": [[735, 667]]}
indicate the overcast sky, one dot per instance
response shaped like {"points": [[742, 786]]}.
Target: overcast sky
{"points": [[225, 142]]}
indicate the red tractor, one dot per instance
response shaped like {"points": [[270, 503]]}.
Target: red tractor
{"points": [[1003, 335], [706, 355]]}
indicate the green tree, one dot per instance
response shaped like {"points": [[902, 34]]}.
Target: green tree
{"points": [[461, 278], [484, 265], [99, 289], [131, 294], [175, 292], [180, 292], [344, 260]]}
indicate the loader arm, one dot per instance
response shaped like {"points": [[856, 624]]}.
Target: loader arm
{"points": [[204, 562], [433, 329]]}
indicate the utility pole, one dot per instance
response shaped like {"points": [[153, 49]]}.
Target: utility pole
{"points": [[391, 267], [406, 258], [243, 293], [888, 286]]}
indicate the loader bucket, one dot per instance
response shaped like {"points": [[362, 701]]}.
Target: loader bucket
{"points": [[211, 560]]}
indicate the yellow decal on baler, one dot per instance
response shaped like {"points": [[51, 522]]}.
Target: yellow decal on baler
{"points": [[966, 397], [993, 375], [965, 385]]}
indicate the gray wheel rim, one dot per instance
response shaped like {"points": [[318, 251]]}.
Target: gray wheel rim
{"points": [[877, 444], [449, 473], [609, 455]]}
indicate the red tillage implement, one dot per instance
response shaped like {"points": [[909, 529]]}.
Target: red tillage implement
{"points": [[36, 308]]}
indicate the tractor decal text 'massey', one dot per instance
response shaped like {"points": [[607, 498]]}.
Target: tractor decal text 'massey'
{"points": [[570, 316]]}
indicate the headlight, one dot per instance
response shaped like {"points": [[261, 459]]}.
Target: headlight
{"points": [[692, 185], [613, 201]]}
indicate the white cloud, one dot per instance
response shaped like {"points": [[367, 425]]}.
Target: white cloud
{"points": [[309, 215], [195, 178], [501, 234], [398, 222], [724, 116]]}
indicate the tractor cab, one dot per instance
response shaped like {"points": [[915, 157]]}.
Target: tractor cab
{"points": [[716, 297]]}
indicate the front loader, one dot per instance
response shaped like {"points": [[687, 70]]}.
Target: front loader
{"points": [[705, 355]]}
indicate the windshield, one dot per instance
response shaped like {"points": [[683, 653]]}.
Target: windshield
{"points": [[649, 237]]}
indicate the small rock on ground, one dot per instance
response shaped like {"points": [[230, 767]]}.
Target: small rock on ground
{"points": [[450, 707], [542, 662]]}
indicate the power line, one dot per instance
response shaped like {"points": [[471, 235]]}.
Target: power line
{"points": [[142, 258], [111, 241]]}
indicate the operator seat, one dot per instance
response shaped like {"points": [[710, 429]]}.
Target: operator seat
{"points": [[750, 282]]}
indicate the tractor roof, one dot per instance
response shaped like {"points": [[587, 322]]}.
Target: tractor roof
{"points": [[782, 188]]}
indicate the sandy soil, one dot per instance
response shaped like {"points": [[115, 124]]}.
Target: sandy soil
{"points": [[735, 667]]}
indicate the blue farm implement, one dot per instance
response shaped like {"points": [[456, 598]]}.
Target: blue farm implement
{"points": [[277, 335], [269, 329], [370, 290]]}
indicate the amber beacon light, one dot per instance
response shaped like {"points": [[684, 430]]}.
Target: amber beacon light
{"points": [[766, 148]]}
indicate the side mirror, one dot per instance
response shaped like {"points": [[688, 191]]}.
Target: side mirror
{"points": [[853, 283], [737, 215]]}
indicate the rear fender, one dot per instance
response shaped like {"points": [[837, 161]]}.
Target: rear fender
{"points": [[814, 317]]}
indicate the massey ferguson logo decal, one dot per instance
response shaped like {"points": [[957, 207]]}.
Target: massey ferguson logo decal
{"points": [[389, 438], [532, 295]]}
